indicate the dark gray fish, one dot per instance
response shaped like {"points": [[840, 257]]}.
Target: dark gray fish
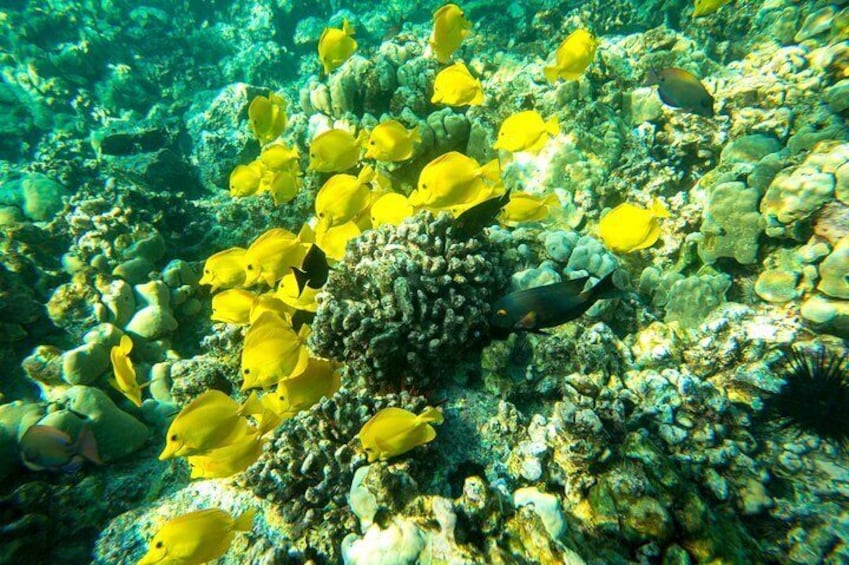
{"points": [[682, 89], [46, 447], [314, 269], [472, 221], [546, 306]]}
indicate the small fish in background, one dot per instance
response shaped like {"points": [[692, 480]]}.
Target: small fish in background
{"points": [[454, 179], [320, 378], [705, 7], [124, 374], [272, 254], [471, 221], [393, 30], [391, 141], [245, 179], [450, 28], [267, 116], [227, 460], [211, 420], [225, 269], [526, 131], [547, 306], [335, 150], [455, 86], [395, 431], [233, 306], [629, 228], [195, 538], [335, 46], [524, 207], [314, 269], [334, 239], [572, 57], [343, 197], [391, 208], [272, 351], [681, 89], [48, 448]]}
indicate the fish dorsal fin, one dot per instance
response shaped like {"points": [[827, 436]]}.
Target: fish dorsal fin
{"points": [[347, 28]]}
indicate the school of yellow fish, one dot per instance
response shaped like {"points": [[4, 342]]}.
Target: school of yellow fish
{"points": [[256, 287]]}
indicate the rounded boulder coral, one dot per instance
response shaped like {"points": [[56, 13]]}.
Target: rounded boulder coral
{"points": [[407, 302]]}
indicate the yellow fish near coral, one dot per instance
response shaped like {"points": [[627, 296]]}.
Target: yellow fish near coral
{"points": [[335, 46], [225, 269], [233, 306], [390, 208], [282, 185], [287, 292], [453, 179], [268, 117], [269, 302], [455, 86], [320, 378], [245, 179], [572, 57], [228, 460], [629, 228], [334, 239], [272, 351], [524, 207], [391, 141], [526, 131], [124, 373], [344, 196], [272, 255], [195, 538], [211, 420], [278, 157], [335, 150], [395, 431], [450, 28], [705, 7]]}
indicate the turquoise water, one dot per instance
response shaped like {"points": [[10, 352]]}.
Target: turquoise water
{"points": [[529, 282]]}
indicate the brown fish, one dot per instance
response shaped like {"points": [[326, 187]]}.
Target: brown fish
{"points": [[682, 89], [46, 447]]}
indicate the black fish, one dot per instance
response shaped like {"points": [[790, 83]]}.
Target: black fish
{"points": [[301, 317], [551, 305], [472, 221], [681, 89], [313, 271]]}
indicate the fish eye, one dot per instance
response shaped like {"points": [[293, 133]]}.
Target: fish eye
{"points": [[424, 186], [501, 312], [250, 267], [246, 371], [312, 155], [321, 214], [206, 271], [173, 437], [159, 545], [372, 143]]}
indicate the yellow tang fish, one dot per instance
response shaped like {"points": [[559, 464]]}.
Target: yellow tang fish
{"points": [[233, 306], [391, 208], [572, 57], [320, 378], [278, 157], [288, 293], [335, 150], [335, 46], [269, 302], [524, 207], [394, 431], [268, 117], [272, 351], [225, 269], [628, 228], [195, 538], [391, 141], [343, 196], [283, 185], [211, 420], [450, 27], [526, 131], [705, 7], [455, 86], [453, 179], [124, 373], [334, 239], [228, 460], [245, 179], [272, 255]]}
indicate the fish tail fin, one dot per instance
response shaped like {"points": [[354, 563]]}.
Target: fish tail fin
{"points": [[301, 278], [430, 415], [361, 138], [267, 422], [252, 405], [366, 175], [348, 28], [606, 288], [555, 209], [552, 126], [478, 99], [491, 171], [245, 521], [86, 445], [416, 135], [551, 74], [306, 234], [658, 209]]}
